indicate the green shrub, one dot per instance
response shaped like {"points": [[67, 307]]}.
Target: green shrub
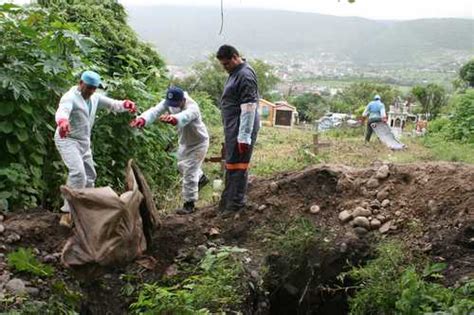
{"points": [[44, 49], [214, 287], [391, 284]]}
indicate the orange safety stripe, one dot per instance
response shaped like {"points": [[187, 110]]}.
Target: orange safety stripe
{"points": [[236, 166]]}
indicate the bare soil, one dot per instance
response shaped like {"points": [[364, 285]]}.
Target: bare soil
{"points": [[431, 209]]}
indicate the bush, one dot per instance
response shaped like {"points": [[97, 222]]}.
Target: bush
{"points": [[44, 49], [215, 286], [391, 284], [462, 122]]}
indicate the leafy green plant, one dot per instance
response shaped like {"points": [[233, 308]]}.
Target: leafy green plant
{"points": [[392, 284], [53, 43], [214, 286], [24, 260], [62, 301]]}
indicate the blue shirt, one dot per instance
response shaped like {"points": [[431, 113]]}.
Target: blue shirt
{"points": [[375, 109]]}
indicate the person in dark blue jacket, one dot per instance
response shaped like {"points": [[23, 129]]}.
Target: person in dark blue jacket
{"points": [[240, 118]]}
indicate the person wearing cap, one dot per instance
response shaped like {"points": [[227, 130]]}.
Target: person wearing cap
{"points": [[183, 112], [238, 106], [74, 118], [375, 111]]}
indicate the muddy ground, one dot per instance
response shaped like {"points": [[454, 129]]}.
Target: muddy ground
{"points": [[430, 207]]}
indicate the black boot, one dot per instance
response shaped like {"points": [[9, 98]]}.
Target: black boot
{"points": [[203, 181], [187, 208]]}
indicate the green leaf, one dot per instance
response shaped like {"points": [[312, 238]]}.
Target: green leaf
{"points": [[13, 147], [24, 260], [5, 194], [20, 123], [27, 108], [21, 134], [38, 159], [6, 108], [6, 126], [434, 268]]}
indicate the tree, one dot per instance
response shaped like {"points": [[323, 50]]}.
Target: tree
{"points": [[466, 73], [462, 120], [431, 97], [209, 76], [358, 95], [310, 106]]}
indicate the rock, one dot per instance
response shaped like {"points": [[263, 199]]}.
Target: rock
{"points": [[360, 231], [362, 222], [375, 204], [398, 213], [432, 206], [375, 211], [200, 252], [2, 218], [36, 251], [361, 212], [345, 216], [382, 172], [375, 224], [381, 218], [213, 231], [385, 203], [382, 195], [49, 259], [262, 207], [274, 187], [32, 291], [343, 248], [171, 271], [373, 183], [314, 209], [4, 278], [2, 228], [393, 227], [16, 286], [344, 184], [12, 238], [385, 227]]}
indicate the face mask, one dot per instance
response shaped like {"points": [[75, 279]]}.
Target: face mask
{"points": [[174, 110]]}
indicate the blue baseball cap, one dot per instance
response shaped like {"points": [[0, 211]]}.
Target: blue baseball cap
{"points": [[91, 78], [174, 96]]}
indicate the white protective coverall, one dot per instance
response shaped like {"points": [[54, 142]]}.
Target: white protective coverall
{"points": [[75, 149], [193, 142]]}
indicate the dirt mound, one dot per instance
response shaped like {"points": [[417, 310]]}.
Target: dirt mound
{"points": [[429, 206]]}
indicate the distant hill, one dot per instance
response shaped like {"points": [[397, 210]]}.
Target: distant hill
{"points": [[187, 34]]}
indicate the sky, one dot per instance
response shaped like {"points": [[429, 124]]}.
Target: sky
{"points": [[373, 9]]}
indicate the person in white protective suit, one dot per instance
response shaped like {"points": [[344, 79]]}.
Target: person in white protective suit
{"points": [[184, 113], [74, 118]]}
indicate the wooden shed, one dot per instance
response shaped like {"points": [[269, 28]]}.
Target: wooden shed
{"points": [[279, 114]]}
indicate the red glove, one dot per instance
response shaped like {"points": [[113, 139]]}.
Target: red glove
{"points": [[243, 147], [64, 128], [138, 123], [127, 104], [169, 119]]}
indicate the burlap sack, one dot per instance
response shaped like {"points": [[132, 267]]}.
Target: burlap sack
{"points": [[108, 229]]}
